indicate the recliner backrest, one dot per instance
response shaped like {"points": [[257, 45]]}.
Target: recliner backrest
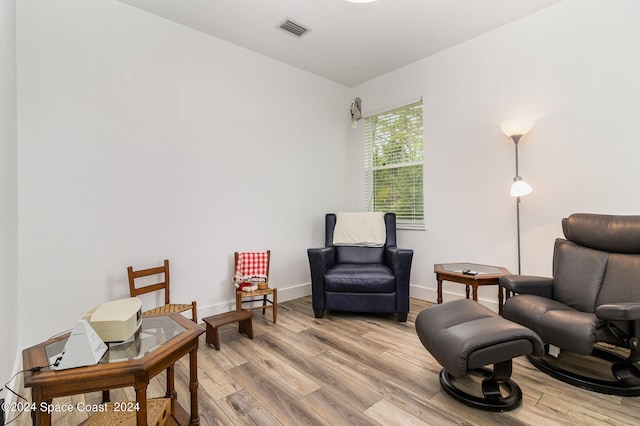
{"points": [[599, 262], [354, 254], [621, 280], [351, 254], [577, 274], [613, 234]]}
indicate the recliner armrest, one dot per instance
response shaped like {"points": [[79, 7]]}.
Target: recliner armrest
{"points": [[619, 311], [528, 284], [398, 258], [322, 258]]}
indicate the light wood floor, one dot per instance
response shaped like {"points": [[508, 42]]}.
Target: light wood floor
{"points": [[351, 369]]}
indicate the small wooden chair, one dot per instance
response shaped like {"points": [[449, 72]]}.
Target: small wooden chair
{"points": [[162, 285], [250, 264]]}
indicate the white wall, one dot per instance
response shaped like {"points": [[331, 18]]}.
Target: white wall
{"points": [[573, 68], [140, 139], [8, 190]]}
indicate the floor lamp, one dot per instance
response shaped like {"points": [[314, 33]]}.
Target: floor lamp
{"points": [[515, 129]]}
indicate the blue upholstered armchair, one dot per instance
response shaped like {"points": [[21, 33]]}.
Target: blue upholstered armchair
{"points": [[360, 278]]}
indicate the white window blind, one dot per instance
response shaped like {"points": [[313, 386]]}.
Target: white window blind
{"points": [[393, 157]]}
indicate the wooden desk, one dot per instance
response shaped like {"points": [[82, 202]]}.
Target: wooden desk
{"points": [[161, 341], [486, 275]]}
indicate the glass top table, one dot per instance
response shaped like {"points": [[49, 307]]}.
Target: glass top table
{"points": [[472, 275], [153, 333], [160, 342], [472, 269]]}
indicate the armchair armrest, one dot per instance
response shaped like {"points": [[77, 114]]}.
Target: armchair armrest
{"points": [[399, 260], [528, 284], [320, 259], [619, 311]]}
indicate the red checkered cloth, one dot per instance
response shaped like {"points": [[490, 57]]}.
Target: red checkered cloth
{"points": [[252, 264]]}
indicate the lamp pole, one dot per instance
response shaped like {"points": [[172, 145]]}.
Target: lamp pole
{"points": [[518, 224], [515, 129], [516, 139]]}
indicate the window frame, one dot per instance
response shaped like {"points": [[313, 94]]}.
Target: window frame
{"points": [[413, 217]]}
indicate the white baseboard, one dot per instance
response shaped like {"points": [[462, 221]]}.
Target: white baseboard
{"points": [[302, 290], [284, 294], [431, 295]]}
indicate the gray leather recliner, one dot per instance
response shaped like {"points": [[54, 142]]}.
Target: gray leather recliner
{"points": [[594, 296]]}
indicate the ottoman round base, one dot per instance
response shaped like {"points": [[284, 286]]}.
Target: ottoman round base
{"points": [[464, 337], [493, 399]]}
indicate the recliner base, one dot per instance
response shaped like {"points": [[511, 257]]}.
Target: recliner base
{"points": [[493, 399], [401, 316], [629, 387]]}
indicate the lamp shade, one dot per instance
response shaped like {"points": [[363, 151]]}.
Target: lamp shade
{"points": [[516, 127], [520, 188]]}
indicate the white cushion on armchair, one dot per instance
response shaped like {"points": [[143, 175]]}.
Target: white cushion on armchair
{"points": [[365, 229]]}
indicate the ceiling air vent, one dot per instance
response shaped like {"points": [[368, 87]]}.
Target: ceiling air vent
{"points": [[293, 28]]}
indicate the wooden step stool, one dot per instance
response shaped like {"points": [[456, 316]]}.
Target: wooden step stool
{"points": [[242, 316]]}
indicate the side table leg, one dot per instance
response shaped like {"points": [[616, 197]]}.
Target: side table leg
{"points": [[171, 388], [475, 292], [466, 290], [500, 299], [141, 399], [439, 300], [39, 417], [193, 386], [42, 417]]}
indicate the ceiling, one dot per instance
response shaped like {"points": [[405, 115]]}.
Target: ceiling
{"points": [[348, 43]]}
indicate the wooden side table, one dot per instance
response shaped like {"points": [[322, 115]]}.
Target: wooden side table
{"points": [[241, 316], [162, 341], [479, 275]]}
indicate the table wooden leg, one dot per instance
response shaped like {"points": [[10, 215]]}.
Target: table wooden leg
{"points": [[500, 300], [193, 386], [39, 417], [439, 300], [141, 399], [43, 418], [466, 290], [171, 388], [475, 292]]}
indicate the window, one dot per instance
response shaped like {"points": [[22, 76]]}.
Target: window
{"points": [[393, 156]]}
